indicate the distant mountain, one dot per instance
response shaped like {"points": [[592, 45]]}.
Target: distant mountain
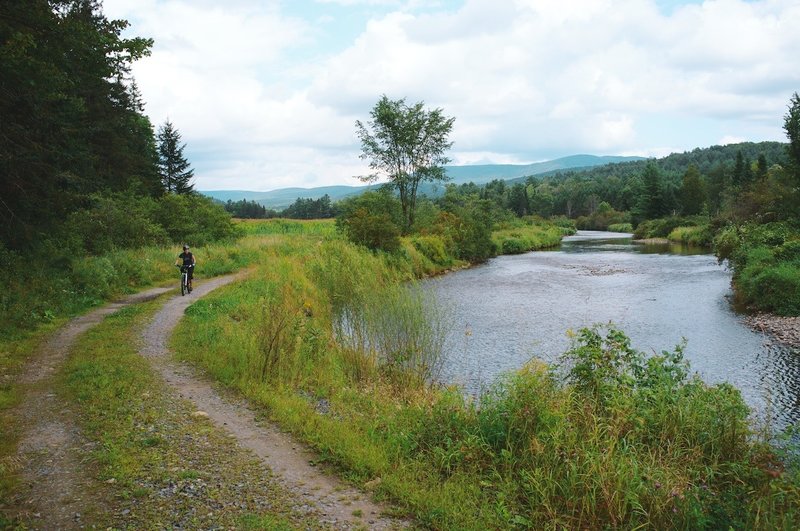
{"points": [[483, 173], [284, 197], [478, 174]]}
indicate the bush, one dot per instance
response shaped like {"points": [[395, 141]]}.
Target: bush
{"points": [[766, 264], [620, 227], [700, 236], [602, 218], [774, 288], [116, 222], [194, 219], [373, 220], [433, 248]]}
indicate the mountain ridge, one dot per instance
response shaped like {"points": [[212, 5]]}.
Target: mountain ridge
{"points": [[476, 173]]}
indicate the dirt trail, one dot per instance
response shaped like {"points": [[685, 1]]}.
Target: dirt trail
{"points": [[54, 490], [341, 506]]}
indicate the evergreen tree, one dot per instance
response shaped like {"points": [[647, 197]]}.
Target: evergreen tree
{"points": [[173, 167], [70, 125], [742, 172], [693, 194], [761, 167], [653, 194]]}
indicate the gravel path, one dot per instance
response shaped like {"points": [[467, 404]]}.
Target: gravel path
{"points": [[339, 505], [54, 490]]}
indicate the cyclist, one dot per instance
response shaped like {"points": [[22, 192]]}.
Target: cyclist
{"points": [[186, 259]]}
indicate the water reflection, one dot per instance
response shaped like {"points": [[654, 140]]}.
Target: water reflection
{"points": [[516, 308]]}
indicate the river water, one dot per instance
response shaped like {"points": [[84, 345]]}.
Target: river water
{"points": [[515, 308]]}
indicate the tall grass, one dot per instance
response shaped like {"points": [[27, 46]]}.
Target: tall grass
{"points": [[523, 236], [612, 438], [693, 235]]}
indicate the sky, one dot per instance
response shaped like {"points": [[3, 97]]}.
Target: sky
{"points": [[266, 93]]}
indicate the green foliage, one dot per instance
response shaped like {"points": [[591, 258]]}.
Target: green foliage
{"points": [[692, 192], [194, 219], [791, 124], [602, 218], [408, 145], [71, 124], [373, 220], [175, 171], [661, 228], [467, 222], [695, 235], [433, 248], [524, 236], [249, 210], [110, 223], [311, 209], [620, 227], [766, 264]]}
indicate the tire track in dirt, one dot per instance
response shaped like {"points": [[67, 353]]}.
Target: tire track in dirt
{"points": [[54, 490], [342, 506]]}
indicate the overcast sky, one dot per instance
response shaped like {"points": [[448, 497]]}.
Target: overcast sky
{"points": [[266, 93]]}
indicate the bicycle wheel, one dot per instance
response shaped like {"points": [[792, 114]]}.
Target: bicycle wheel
{"points": [[183, 284]]}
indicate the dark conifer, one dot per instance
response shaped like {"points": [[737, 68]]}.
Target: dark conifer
{"points": [[176, 174]]}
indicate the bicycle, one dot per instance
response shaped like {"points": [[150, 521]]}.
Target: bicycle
{"points": [[186, 286]]}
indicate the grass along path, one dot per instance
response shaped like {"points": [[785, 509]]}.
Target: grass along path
{"points": [[50, 488], [158, 463], [340, 506]]}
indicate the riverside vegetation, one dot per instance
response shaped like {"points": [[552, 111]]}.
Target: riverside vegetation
{"points": [[341, 350]]}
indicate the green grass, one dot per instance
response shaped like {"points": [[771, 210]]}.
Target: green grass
{"points": [[521, 237], [152, 449], [320, 227], [621, 443], [699, 235]]}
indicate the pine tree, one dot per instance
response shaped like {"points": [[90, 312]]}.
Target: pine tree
{"points": [[173, 167]]}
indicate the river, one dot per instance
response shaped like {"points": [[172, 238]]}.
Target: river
{"points": [[515, 308]]}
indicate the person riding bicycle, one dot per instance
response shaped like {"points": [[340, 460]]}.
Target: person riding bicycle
{"points": [[186, 260]]}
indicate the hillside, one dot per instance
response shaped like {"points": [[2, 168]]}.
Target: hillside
{"points": [[675, 164], [478, 174]]}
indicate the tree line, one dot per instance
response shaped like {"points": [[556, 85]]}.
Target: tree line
{"points": [[302, 208], [73, 127]]}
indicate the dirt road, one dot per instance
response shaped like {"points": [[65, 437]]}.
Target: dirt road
{"points": [[340, 505], [54, 490]]}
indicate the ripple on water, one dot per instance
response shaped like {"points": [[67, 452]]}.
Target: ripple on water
{"points": [[515, 308]]}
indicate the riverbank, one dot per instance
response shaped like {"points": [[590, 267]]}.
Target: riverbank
{"points": [[784, 330], [325, 338]]}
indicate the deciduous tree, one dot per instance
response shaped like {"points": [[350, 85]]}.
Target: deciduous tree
{"points": [[407, 144]]}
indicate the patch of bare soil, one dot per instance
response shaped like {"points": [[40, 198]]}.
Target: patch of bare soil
{"points": [[339, 505], [54, 491]]}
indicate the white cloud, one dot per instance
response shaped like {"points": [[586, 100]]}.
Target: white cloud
{"points": [[526, 79]]}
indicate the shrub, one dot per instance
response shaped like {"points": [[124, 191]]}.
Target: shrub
{"points": [[700, 236], [433, 248], [373, 220], [114, 223], [620, 227], [774, 288]]}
